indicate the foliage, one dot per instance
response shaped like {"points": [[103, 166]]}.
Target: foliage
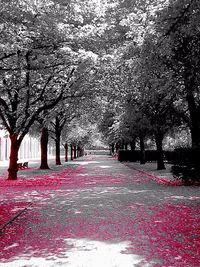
{"points": [[133, 66], [128, 155], [32, 68], [178, 40], [76, 133], [140, 80], [40, 63]]}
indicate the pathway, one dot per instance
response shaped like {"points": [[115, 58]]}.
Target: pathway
{"points": [[98, 212]]}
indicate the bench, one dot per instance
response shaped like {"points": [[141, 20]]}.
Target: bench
{"points": [[21, 166]]}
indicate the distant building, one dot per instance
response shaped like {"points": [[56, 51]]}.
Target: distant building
{"points": [[30, 147]]}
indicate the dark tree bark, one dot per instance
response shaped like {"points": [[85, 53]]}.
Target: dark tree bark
{"points": [[112, 149], [195, 135], [58, 160], [66, 152], [79, 151], [191, 87], [142, 150], [160, 161], [44, 148], [71, 151], [133, 145], [57, 141], [118, 146], [12, 170], [195, 122], [75, 151]]}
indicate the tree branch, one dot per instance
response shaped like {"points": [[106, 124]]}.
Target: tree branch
{"points": [[5, 56], [4, 104], [173, 26], [5, 122]]}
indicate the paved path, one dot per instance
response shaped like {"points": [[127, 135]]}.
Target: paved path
{"points": [[98, 212]]}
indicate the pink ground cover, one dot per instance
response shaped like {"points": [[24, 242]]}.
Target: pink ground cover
{"points": [[70, 177], [171, 233], [51, 179], [167, 235], [164, 180], [9, 210]]}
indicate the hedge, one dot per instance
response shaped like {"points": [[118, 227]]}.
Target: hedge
{"points": [[186, 165], [186, 161], [133, 156], [128, 155]]}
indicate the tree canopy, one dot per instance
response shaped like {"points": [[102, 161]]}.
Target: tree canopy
{"points": [[136, 63]]}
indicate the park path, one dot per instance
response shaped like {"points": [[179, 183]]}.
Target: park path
{"points": [[98, 212]]}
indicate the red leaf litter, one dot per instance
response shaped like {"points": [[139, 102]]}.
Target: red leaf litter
{"points": [[96, 207], [70, 177], [171, 233], [9, 210], [163, 235], [164, 180], [51, 179]]}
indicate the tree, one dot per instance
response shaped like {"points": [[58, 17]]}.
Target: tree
{"points": [[36, 68], [77, 134], [177, 29], [143, 80], [63, 115]]}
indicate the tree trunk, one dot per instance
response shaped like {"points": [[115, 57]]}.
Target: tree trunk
{"points": [[193, 106], [112, 149], [195, 123], [75, 156], [142, 150], [58, 134], [58, 161], [71, 151], [44, 148], [122, 144], [79, 151], [133, 145], [117, 147], [66, 152], [12, 170], [160, 161]]}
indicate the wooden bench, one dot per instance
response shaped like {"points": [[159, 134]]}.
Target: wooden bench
{"points": [[21, 166]]}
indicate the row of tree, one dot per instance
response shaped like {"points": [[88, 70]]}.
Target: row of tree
{"points": [[133, 66], [45, 71], [154, 75]]}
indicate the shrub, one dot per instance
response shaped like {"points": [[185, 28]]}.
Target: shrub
{"points": [[133, 156], [186, 165], [128, 155], [186, 161], [170, 156], [151, 155]]}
